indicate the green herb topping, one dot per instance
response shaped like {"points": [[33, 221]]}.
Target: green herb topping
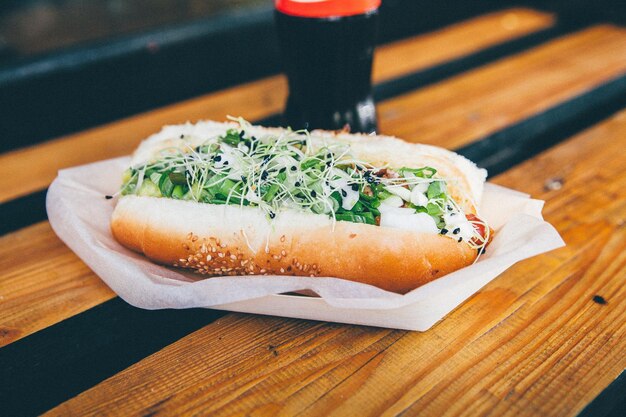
{"points": [[283, 171]]}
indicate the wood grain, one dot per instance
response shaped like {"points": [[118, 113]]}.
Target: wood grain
{"points": [[18, 324], [532, 342], [23, 313], [480, 102], [253, 101], [42, 282], [420, 52]]}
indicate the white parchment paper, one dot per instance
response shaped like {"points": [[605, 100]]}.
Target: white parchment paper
{"points": [[79, 214]]}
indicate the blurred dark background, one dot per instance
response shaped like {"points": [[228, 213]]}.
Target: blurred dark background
{"points": [[66, 65]]}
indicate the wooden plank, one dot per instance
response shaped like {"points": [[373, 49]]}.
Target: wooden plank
{"points": [[42, 282], [410, 55], [480, 102], [532, 342], [22, 314], [254, 100], [606, 34]]}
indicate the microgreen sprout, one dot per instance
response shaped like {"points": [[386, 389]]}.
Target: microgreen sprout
{"points": [[289, 170]]}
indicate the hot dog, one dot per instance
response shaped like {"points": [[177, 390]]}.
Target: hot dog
{"points": [[236, 199]]}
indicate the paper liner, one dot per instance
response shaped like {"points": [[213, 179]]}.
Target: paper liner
{"points": [[80, 216]]}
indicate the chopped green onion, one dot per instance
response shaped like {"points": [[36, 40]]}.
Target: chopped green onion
{"points": [[178, 178], [166, 185], [149, 189], [178, 192], [436, 189], [231, 137]]}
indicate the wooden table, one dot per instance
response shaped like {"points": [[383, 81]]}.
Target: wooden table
{"points": [[538, 100]]}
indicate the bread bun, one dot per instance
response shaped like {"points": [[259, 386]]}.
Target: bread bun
{"points": [[232, 240]]}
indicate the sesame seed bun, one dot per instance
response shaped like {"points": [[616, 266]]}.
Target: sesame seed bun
{"points": [[231, 240]]}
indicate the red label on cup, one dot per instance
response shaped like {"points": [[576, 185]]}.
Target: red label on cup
{"points": [[326, 8]]}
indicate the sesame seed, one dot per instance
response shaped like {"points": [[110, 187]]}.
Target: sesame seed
{"points": [[233, 257], [209, 257], [263, 271], [223, 245], [282, 238], [282, 270], [283, 253], [221, 255]]}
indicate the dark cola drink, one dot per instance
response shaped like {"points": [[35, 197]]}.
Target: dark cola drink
{"points": [[327, 49]]}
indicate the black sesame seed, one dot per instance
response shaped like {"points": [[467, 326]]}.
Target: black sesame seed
{"points": [[444, 231], [293, 168], [108, 197], [242, 134], [481, 250], [456, 231], [264, 175], [225, 163], [313, 193], [460, 239], [344, 193], [297, 184], [449, 208], [329, 155], [217, 158], [355, 187], [272, 214], [243, 178], [182, 136]]}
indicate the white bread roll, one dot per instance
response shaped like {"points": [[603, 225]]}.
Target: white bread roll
{"points": [[233, 240]]}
